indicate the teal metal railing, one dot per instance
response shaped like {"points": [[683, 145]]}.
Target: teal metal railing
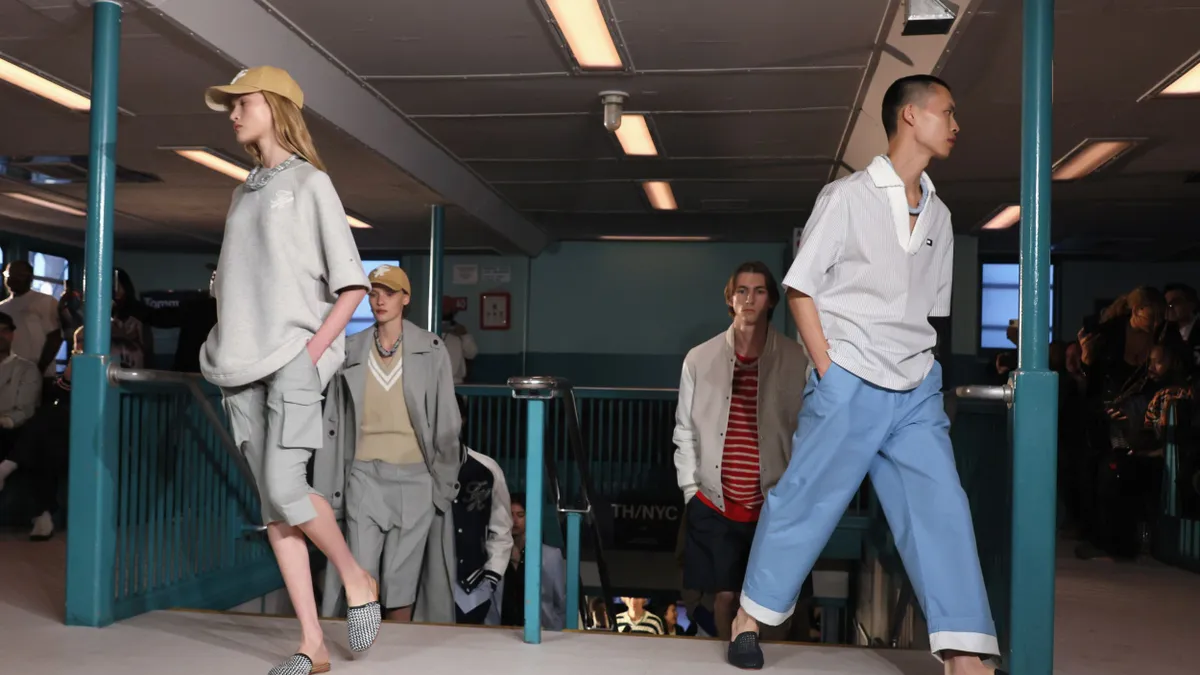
{"points": [[573, 510], [1177, 535], [625, 432], [621, 445], [186, 515]]}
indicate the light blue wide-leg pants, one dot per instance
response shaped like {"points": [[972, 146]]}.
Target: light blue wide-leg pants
{"points": [[848, 429]]}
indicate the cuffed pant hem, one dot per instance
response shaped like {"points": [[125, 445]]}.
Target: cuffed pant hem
{"points": [[400, 600], [971, 643], [295, 513], [763, 615]]}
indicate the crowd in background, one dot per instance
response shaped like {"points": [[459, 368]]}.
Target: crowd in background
{"points": [[1129, 369]]}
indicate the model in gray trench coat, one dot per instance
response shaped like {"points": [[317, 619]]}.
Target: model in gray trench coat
{"points": [[429, 393]]}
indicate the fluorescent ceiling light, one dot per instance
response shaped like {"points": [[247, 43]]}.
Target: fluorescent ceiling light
{"points": [[660, 195], [634, 136], [1187, 84], [1089, 156], [622, 237], [583, 25], [1006, 218], [212, 161], [46, 204], [36, 84]]}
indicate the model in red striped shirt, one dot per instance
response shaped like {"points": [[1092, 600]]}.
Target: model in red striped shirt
{"points": [[739, 467], [741, 480]]}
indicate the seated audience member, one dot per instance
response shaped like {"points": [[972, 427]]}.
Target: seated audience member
{"points": [[43, 449], [20, 387], [510, 611], [636, 619], [671, 620]]}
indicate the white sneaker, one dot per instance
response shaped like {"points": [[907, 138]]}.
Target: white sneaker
{"points": [[43, 527]]}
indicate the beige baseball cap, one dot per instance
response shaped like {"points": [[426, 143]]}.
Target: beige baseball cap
{"points": [[251, 80], [391, 277]]}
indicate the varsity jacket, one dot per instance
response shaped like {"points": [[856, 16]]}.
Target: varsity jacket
{"points": [[482, 522], [702, 413]]}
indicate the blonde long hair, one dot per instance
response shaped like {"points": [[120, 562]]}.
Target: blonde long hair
{"points": [[290, 131]]}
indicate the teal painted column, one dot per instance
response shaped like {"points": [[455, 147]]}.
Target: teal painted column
{"points": [[91, 534], [574, 535], [437, 255], [535, 498], [1035, 388]]}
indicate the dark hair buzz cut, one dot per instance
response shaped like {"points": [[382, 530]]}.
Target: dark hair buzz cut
{"points": [[902, 92]]}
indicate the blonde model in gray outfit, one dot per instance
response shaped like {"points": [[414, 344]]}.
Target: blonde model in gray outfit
{"points": [[288, 280], [392, 451]]}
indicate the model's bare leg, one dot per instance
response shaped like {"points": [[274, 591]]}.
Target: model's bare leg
{"points": [[291, 552], [325, 533], [743, 623]]}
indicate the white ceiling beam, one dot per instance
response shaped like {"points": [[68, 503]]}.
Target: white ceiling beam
{"points": [[248, 33], [924, 53]]}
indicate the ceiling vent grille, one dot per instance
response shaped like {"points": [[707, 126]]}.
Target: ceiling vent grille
{"points": [[61, 170]]}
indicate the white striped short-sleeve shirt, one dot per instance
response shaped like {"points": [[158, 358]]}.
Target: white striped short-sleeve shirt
{"points": [[875, 285]]}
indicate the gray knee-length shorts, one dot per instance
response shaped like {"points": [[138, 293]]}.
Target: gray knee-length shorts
{"points": [[277, 424], [389, 508]]}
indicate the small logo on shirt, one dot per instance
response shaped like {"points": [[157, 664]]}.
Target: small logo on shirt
{"points": [[282, 198], [929, 242]]}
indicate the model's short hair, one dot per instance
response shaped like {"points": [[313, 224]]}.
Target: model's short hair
{"points": [[902, 92], [754, 267]]}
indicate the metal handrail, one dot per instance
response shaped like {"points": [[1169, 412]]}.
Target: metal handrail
{"points": [[545, 387], [986, 392], [118, 375], [575, 441], [191, 382], [537, 386]]}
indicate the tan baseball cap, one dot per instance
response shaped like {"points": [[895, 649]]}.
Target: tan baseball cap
{"points": [[251, 80], [391, 277]]}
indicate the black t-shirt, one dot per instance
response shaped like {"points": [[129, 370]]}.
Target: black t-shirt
{"points": [[512, 604], [195, 322]]}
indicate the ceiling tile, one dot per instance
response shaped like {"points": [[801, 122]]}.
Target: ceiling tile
{"points": [[752, 135], [606, 196], [647, 93], [417, 37], [561, 137], [632, 169], [687, 34]]}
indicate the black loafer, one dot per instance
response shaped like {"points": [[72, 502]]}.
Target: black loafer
{"points": [[745, 653]]}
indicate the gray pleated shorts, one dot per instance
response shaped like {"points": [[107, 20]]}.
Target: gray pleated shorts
{"points": [[389, 509]]}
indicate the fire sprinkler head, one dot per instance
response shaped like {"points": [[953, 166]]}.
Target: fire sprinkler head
{"points": [[614, 105]]}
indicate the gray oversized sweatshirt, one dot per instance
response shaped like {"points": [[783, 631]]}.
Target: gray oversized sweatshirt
{"points": [[286, 254]]}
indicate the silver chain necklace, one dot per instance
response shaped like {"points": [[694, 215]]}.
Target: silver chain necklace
{"points": [[387, 353], [259, 177]]}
